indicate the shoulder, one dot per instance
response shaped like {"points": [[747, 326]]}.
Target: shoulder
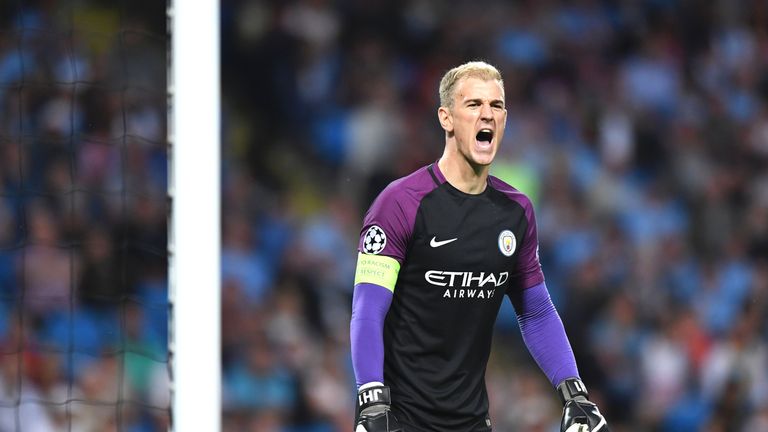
{"points": [[511, 193], [395, 208], [391, 217], [409, 189]]}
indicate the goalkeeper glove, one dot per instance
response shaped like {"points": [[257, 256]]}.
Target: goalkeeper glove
{"points": [[579, 414], [373, 407]]}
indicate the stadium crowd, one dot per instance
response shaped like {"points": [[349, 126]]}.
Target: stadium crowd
{"points": [[83, 217], [639, 129]]}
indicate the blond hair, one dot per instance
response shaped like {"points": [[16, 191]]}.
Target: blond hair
{"points": [[473, 69]]}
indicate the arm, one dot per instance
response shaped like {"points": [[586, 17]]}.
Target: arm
{"points": [[374, 286], [544, 335], [381, 249], [370, 303]]}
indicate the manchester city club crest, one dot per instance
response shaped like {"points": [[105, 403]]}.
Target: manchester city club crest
{"points": [[507, 243]]}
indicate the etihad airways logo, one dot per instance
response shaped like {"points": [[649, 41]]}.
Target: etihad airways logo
{"points": [[465, 279], [468, 280]]}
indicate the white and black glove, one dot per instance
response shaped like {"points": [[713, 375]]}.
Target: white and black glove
{"points": [[579, 414], [373, 409]]}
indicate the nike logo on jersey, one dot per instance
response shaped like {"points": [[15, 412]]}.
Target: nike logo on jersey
{"points": [[434, 243]]}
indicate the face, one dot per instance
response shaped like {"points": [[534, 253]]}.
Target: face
{"points": [[477, 119]]}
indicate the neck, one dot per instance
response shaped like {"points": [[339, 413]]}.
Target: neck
{"points": [[461, 174]]}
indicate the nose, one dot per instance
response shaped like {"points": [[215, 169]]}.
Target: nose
{"points": [[486, 112]]}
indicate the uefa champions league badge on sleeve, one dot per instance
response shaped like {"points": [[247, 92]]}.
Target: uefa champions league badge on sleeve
{"points": [[374, 240], [507, 243]]}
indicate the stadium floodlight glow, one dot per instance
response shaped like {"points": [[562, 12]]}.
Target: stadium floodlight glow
{"points": [[194, 241]]}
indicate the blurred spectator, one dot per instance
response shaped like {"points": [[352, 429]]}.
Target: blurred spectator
{"points": [[259, 381], [50, 290], [242, 262]]}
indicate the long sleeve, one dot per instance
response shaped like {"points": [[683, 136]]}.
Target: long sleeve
{"points": [[544, 334], [370, 303]]}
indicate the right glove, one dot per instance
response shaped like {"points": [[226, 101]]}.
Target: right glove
{"points": [[374, 415], [579, 414]]}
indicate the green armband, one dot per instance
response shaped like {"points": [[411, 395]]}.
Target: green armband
{"points": [[377, 269]]}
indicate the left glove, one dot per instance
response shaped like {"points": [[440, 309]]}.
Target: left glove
{"points": [[373, 407], [579, 414]]}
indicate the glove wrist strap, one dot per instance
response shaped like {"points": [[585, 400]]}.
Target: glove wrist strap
{"points": [[370, 396], [570, 389]]}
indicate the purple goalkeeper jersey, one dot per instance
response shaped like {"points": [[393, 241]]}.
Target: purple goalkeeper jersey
{"points": [[459, 255]]}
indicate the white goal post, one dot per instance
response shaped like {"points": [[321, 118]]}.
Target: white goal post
{"points": [[194, 240]]}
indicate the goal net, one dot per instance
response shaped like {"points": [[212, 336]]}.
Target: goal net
{"points": [[83, 216]]}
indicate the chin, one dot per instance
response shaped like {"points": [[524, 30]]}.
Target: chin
{"points": [[483, 159]]}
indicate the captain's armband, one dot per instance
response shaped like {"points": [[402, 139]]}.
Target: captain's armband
{"points": [[377, 269]]}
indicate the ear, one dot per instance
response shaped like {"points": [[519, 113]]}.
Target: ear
{"points": [[446, 118]]}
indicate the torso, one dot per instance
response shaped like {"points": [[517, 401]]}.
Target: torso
{"points": [[459, 255]]}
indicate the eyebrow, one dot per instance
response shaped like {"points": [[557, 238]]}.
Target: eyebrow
{"points": [[480, 101]]}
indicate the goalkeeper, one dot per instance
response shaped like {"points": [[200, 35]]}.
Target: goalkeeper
{"points": [[439, 250]]}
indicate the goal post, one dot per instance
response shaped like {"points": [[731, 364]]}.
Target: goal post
{"points": [[194, 241]]}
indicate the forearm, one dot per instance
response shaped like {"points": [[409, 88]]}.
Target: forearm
{"points": [[544, 334], [370, 304]]}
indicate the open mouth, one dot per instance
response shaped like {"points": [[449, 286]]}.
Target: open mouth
{"points": [[484, 136]]}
